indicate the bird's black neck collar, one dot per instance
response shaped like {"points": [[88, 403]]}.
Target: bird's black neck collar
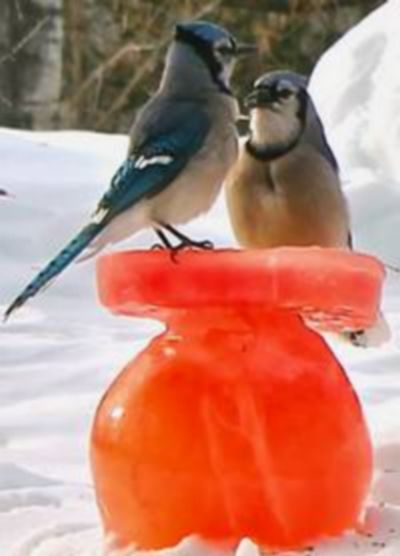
{"points": [[268, 153], [204, 50]]}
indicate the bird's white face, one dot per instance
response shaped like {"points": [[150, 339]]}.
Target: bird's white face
{"points": [[275, 113], [225, 54], [215, 47]]}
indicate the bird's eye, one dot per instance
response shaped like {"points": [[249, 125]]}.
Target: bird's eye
{"points": [[285, 93], [225, 49]]}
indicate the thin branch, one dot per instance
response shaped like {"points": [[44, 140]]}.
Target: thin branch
{"points": [[99, 72], [208, 8], [5, 101], [126, 92], [25, 40], [150, 62], [18, 10], [97, 76], [95, 80]]}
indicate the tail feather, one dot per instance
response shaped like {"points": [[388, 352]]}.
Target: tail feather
{"points": [[56, 265]]}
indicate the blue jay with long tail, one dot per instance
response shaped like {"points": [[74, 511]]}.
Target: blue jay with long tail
{"points": [[182, 145]]}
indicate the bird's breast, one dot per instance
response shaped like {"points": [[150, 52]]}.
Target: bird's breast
{"points": [[196, 188], [270, 209]]}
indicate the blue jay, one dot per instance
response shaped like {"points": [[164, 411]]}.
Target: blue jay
{"points": [[285, 182], [182, 145], [284, 188]]}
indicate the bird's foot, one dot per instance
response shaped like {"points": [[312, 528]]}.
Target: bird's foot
{"points": [[187, 243], [158, 247], [174, 250]]}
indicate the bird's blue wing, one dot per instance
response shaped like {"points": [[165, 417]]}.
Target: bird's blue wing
{"points": [[153, 165]]}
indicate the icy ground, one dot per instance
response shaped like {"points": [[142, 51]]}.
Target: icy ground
{"points": [[59, 354]]}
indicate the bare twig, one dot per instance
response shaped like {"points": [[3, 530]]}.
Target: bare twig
{"points": [[150, 62], [25, 40], [5, 101], [124, 95], [97, 76], [18, 10], [207, 9], [94, 82], [106, 66]]}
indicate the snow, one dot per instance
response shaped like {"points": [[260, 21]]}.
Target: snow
{"points": [[60, 352], [356, 87]]}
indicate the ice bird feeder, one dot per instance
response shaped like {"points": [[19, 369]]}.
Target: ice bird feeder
{"points": [[238, 420]]}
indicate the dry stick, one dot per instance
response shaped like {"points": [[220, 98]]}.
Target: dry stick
{"points": [[138, 76], [98, 74], [18, 10], [20, 45], [97, 93], [6, 101], [122, 98], [25, 40], [207, 9], [104, 67]]}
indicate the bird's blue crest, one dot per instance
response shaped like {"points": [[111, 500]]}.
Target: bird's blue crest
{"points": [[203, 30], [272, 77]]}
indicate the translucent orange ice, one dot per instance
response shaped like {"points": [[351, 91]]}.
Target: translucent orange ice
{"points": [[238, 420]]}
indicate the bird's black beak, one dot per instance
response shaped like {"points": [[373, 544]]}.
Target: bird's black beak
{"points": [[258, 98], [244, 49]]}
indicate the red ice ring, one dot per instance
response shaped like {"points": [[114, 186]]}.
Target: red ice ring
{"points": [[335, 288]]}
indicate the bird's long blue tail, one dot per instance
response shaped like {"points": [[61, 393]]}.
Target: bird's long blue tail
{"points": [[56, 265]]}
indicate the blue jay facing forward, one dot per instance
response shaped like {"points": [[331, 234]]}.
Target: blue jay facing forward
{"points": [[285, 188], [182, 145]]}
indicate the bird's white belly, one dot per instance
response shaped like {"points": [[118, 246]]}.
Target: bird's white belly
{"points": [[196, 189]]}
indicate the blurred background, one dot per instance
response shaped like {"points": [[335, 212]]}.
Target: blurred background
{"points": [[89, 64]]}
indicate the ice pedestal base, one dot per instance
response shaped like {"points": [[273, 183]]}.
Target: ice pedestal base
{"points": [[238, 421]]}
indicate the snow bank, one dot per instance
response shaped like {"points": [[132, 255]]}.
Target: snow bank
{"points": [[356, 87]]}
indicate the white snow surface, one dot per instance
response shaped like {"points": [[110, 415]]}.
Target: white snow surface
{"points": [[60, 352]]}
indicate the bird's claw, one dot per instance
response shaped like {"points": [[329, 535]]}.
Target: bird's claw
{"points": [[204, 245], [207, 245], [184, 243], [158, 247], [189, 244]]}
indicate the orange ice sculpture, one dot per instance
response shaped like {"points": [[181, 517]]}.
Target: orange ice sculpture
{"points": [[237, 420]]}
